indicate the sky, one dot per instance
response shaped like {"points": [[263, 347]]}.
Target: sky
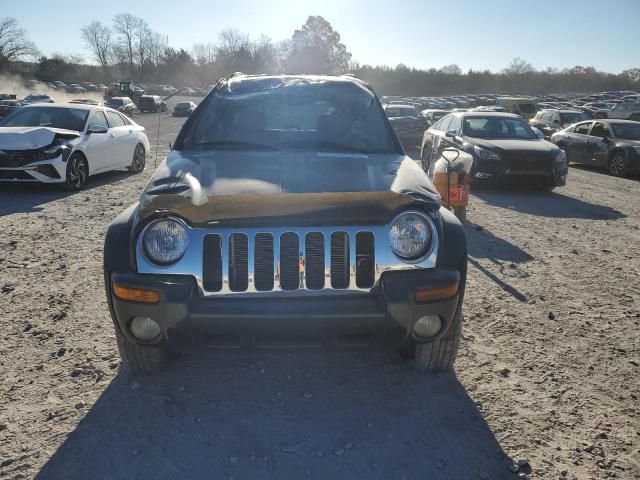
{"points": [[478, 34]]}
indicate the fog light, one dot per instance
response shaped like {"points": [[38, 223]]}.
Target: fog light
{"points": [[427, 326], [145, 329]]}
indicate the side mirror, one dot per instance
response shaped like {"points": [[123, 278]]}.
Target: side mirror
{"points": [[451, 133], [97, 129]]}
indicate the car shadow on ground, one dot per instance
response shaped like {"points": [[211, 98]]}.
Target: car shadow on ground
{"points": [[282, 414], [543, 204], [29, 197], [505, 256]]}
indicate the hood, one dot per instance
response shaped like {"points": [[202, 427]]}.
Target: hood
{"points": [[293, 188], [27, 138], [514, 145]]}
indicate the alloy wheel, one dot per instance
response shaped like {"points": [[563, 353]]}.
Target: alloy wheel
{"points": [[138, 159], [616, 165], [77, 172]]}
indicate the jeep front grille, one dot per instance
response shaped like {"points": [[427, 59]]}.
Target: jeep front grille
{"points": [[289, 261]]}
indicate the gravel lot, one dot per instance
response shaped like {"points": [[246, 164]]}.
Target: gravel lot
{"points": [[547, 374]]}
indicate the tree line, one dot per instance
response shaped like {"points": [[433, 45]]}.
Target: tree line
{"points": [[128, 48]]}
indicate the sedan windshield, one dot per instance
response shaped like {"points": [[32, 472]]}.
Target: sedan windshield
{"points": [[627, 131], [55, 117], [497, 128], [291, 114]]}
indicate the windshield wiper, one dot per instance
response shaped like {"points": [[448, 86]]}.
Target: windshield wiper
{"points": [[233, 145], [336, 147]]}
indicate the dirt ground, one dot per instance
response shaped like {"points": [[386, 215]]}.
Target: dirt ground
{"points": [[547, 375]]}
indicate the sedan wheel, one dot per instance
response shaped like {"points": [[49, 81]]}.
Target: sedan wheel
{"points": [[618, 165], [77, 173], [139, 160]]}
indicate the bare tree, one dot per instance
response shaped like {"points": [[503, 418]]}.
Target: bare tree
{"points": [[143, 39], [97, 39], [316, 48], [126, 25], [14, 42], [452, 69], [519, 66], [204, 53], [231, 41], [157, 44]]}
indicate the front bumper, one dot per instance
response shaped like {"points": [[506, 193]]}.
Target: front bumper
{"points": [[186, 318], [555, 171], [46, 171]]}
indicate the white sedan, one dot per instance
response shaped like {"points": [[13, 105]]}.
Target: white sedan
{"points": [[67, 143]]}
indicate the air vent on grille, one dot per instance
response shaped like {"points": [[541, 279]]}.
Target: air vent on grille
{"points": [[263, 276], [339, 260], [314, 260], [289, 261], [365, 260], [238, 262], [212, 263]]}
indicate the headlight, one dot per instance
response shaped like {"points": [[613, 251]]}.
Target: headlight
{"points": [[54, 151], [410, 235], [165, 241], [486, 154]]}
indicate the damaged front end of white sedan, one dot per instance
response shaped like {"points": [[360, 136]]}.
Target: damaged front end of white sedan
{"points": [[35, 154], [66, 143]]}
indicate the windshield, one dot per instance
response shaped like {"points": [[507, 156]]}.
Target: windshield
{"points": [[573, 117], [55, 117], [115, 102], [401, 112], [497, 128], [527, 107], [183, 105], [290, 114], [626, 131]]}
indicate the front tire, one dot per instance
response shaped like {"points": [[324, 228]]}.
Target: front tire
{"points": [[141, 359], [139, 160], [77, 173], [618, 164], [438, 355]]}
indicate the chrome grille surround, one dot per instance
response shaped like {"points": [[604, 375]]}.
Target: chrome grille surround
{"points": [[191, 262]]}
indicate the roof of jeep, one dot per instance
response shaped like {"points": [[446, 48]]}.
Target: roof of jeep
{"points": [[240, 83]]}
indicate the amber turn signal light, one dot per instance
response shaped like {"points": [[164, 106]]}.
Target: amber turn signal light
{"points": [[438, 293], [135, 294]]}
